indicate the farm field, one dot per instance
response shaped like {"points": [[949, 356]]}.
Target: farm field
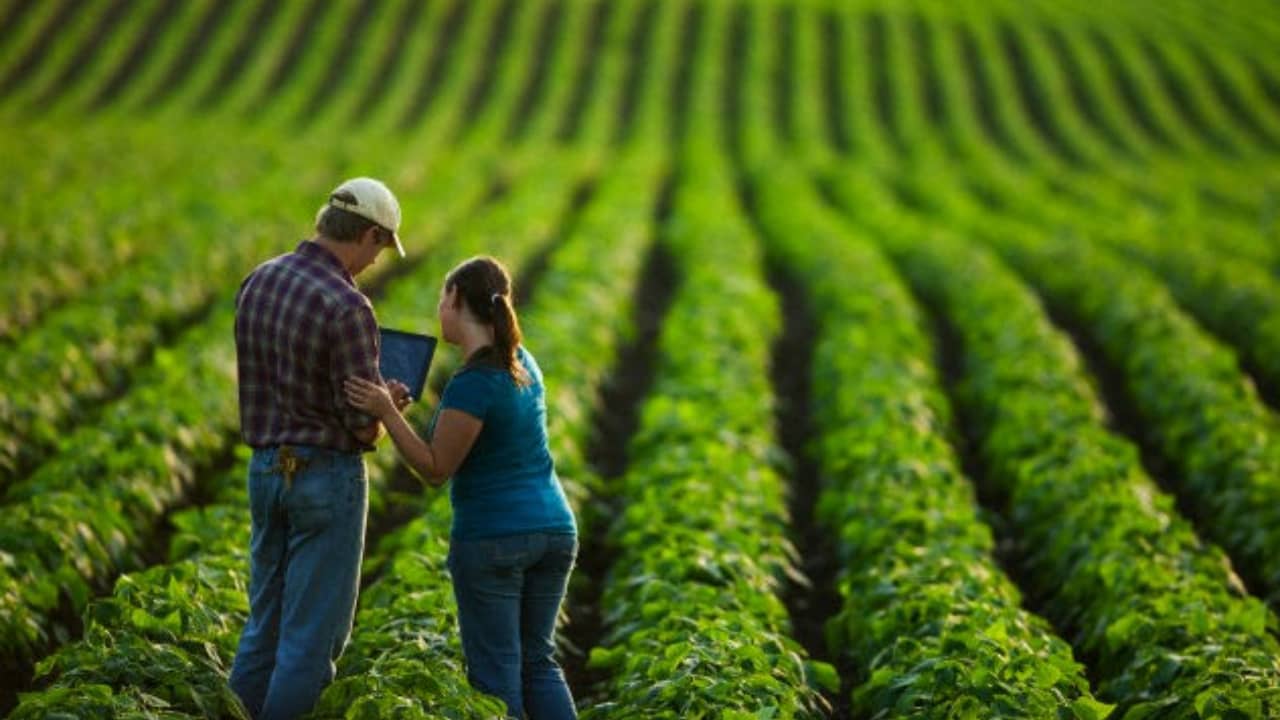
{"points": [[909, 359]]}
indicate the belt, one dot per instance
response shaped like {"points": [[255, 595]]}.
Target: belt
{"points": [[290, 460]]}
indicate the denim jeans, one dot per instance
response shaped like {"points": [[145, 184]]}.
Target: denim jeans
{"points": [[509, 591], [306, 547]]}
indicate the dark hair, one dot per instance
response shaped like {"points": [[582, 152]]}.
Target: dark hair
{"points": [[484, 286], [345, 226]]}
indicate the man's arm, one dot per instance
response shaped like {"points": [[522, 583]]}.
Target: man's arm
{"points": [[354, 353], [369, 435]]}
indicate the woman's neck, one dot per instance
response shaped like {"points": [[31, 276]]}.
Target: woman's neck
{"points": [[474, 337]]}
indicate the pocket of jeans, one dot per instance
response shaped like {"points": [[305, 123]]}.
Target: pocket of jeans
{"points": [[562, 550], [507, 551], [310, 500]]}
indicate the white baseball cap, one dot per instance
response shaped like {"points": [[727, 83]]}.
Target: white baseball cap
{"points": [[373, 201]]}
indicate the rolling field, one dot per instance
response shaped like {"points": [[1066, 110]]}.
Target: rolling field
{"points": [[904, 359]]}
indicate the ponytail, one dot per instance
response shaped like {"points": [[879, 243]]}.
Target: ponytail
{"points": [[484, 286], [507, 337]]}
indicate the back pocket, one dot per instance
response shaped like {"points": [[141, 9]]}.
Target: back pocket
{"points": [[310, 501]]}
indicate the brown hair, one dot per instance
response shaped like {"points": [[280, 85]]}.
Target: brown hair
{"points": [[484, 285], [343, 225]]}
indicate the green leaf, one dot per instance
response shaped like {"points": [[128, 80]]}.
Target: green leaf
{"points": [[822, 675], [1086, 708]]}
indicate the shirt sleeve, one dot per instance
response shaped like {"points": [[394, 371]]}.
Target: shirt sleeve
{"points": [[353, 353], [469, 392]]}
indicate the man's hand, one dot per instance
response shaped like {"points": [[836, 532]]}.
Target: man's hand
{"points": [[399, 394]]}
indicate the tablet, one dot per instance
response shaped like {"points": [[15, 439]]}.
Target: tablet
{"points": [[406, 357]]}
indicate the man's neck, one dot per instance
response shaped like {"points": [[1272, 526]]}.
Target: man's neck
{"points": [[343, 252]]}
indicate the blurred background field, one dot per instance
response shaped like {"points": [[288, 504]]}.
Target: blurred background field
{"points": [[905, 358]]}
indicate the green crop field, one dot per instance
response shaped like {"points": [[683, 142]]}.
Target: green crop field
{"points": [[904, 358]]}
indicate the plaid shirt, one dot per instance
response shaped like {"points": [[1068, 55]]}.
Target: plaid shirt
{"points": [[302, 328]]}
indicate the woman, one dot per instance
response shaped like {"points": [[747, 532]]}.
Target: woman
{"points": [[514, 540]]}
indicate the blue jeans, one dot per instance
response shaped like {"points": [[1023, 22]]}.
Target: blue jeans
{"points": [[307, 543], [509, 591]]}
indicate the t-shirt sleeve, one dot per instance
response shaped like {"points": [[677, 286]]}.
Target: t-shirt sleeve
{"points": [[469, 392], [354, 353]]}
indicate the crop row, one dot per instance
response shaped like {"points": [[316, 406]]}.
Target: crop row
{"points": [[693, 622], [1122, 169], [930, 622], [694, 625], [1198, 410], [1129, 93], [1155, 612], [1034, 69], [159, 646], [85, 252], [1230, 294], [1105, 103]]}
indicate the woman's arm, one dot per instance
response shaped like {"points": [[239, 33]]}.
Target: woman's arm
{"points": [[435, 460]]}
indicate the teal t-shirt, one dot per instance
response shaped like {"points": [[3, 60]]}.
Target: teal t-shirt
{"points": [[507, 485]]}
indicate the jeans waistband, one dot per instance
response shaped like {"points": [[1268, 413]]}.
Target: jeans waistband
{"points": [[316, 456]]}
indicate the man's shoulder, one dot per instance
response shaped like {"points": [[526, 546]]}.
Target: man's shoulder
{"points": [[301, 277]]}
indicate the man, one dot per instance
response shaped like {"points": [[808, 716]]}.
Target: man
{"points": [[302, 327]]}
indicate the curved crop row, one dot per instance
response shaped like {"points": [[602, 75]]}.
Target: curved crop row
{"points": [[57, 242], [977, 132], [1155, 611], [161, 644], [694, 622], [1231, 295], [929, 621], [1200, 412], [81, 518]]}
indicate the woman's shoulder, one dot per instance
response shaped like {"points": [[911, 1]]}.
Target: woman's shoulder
{"points": [[529, 362], [475, 378]]}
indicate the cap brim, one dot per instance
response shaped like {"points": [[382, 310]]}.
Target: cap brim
{"points": [[399, 247]]}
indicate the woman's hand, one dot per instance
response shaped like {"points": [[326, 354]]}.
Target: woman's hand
{"points": [[399, 393], [369, 397]]}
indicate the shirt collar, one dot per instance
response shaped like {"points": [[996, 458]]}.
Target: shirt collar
{"points": [[315, 251]]}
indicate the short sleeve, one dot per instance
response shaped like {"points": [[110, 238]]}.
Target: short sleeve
{"points": [[470, 392], [353, 353]]}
